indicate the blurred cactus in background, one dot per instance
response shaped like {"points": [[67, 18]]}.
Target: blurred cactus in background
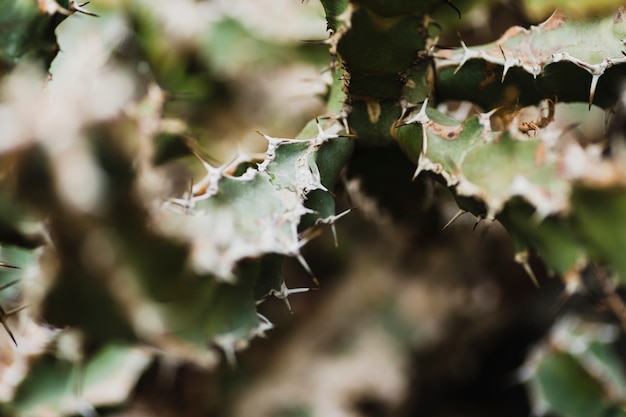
{"points": [[145, 227]]}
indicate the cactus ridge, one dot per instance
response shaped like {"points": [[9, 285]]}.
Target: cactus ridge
{"points": [[523, 67], [277, 188], [555, 48]]}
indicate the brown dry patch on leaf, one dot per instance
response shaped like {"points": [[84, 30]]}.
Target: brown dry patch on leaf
{"points": [[444, 131], [524, 51]]}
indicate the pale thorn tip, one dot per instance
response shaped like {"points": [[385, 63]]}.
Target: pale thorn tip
{"points": [[307, 268], [264, 325], [333, 230], [453, 219], [422, 118], [284, 293], [592, 88], [74, 6], [466, 56], [331, 221], [418, 169], [522, 259], [5, 315], [479, 219], [226, 343]]}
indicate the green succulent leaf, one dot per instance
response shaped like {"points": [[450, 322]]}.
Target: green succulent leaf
{"points": [[27, 29], [572, 60], [576, 372], [58, 386]]}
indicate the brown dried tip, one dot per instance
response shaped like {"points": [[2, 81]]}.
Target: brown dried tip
{"points": [[3, 319]]}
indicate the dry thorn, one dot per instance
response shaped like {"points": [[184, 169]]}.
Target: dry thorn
{"points": [[522, 259], [506, 66], [453, 219], [75, 7], [284, 293], [330, 220], [479, 219], [4, 315]]}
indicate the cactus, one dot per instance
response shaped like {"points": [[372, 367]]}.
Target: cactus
{"points": [[577, 357], [554, 195], [177, 274], [525, 64], [123, 265], [28, 30]]}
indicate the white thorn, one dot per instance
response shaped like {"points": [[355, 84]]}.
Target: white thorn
{"points": [[307, 268], [331, 132], [226, 342], [422, 165], [331, 221], [467, 55], [479, 219], [284, 293], [333, 229], [484, 119], [320, 129], [264, 326], [522, 259], [507, 65], [424, 140], [272, 145], [421, 117], [74, 6], [491, 214], [405, 106], [592, 89], [418, 170], [214, 175], [210, 181], [456, 216]]}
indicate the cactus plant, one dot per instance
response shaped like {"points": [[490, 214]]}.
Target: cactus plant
{"points": [[121, 268]]}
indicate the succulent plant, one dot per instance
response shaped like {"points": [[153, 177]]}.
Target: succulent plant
{"points": [[117, 268]]}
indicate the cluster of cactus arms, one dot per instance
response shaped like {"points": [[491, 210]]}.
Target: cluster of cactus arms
{"points": [[125, 272]]}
